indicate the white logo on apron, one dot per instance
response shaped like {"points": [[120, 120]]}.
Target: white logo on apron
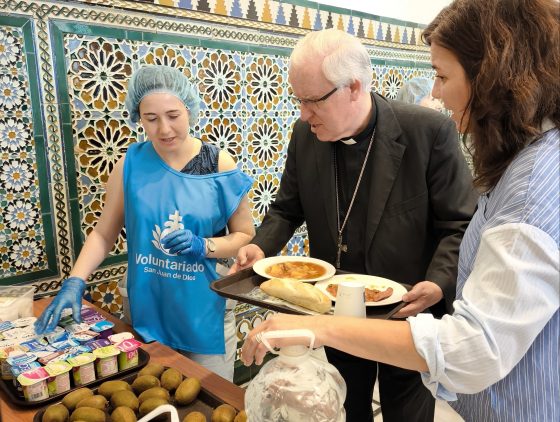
{"points": [[174, 223]]}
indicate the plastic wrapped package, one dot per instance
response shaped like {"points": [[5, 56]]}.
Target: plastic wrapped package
{"points": [[296, 386]]}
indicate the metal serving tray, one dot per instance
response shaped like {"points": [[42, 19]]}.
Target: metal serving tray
{"points": [[243, 286]]}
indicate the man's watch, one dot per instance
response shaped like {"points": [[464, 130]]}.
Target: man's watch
{"points": [[210, 246]]}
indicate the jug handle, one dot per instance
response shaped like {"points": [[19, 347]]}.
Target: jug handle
{"points": [[288, 334], [164, 408]]}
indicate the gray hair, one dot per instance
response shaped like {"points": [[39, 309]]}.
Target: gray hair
{"points": [[344, 57]]}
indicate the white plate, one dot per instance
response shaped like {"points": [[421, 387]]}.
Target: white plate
{"points": [[260, 266], [370, 282]]}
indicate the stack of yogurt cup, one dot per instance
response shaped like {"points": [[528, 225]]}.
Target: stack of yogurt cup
{"points": [[42, 366]]}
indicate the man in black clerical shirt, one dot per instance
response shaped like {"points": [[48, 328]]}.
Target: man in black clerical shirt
{"points": [[383, 189]]}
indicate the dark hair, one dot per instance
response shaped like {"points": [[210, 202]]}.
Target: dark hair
{"points": [[510, 51]]}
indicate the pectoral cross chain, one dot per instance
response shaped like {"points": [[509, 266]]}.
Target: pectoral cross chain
{"points": [[340, 227], [340, 248]]}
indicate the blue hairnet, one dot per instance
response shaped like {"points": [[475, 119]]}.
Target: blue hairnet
{"points": [[162, 79], [414, 90]]}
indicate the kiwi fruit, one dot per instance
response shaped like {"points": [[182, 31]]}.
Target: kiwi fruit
{"points": [[150, 404], [170, 379], [154, 392], [224, 413], [98, 401], [56, 413], [187, 391], [70, 400], [88, 414], [109, 387], [195, 417], [154, 369], [144, 383], [241, 417], [123, 414], [125, 398]]}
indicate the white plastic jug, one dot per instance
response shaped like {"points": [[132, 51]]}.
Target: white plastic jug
{"points": [[295, 386]]}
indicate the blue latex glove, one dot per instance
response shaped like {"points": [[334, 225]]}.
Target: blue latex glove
{"points": [[184, 242], [69, 296]]}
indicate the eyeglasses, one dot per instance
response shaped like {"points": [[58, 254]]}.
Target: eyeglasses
{"points": [[307, 102]]}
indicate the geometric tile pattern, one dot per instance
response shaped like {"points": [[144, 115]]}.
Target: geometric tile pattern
{"points": [[66, 67], [22, 234], [248, 111], [307, 15]]}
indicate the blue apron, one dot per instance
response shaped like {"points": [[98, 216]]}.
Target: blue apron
{"points": [[170, 297]]}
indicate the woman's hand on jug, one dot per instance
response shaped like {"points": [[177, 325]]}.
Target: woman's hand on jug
{"points": [[253, 348]]}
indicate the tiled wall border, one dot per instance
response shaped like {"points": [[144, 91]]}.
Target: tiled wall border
{"points": [[49, 265], [287, 16]]}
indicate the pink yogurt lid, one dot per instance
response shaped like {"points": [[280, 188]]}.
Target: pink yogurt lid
{"points": [[128, 345], [32, 377]]}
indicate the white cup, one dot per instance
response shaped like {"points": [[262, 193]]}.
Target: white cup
{"points": [[350, 300]]}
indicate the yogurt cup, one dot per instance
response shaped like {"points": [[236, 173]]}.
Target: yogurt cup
{"points": [[117, 338], [104, 328], [76, 328], [45, 360], [83, 370], [128, 356], [17, 333], [106, 363], [6, 325], [57, 335], [85, 336], [35, 345], [5, 353], [59, 377], [34, 384], [90, 316], [96, 344], [24, 322], [21, 359], [20, 369]]}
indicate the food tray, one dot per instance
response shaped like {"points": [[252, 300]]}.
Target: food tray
{"points": [[11, 391], [204, 403], [241, 286]]}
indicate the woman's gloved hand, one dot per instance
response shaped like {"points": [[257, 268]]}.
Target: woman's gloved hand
{"points": [[184, 242], [69, 296]]}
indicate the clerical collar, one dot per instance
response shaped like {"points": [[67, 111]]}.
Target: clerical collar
{"points": [[365, 134]]}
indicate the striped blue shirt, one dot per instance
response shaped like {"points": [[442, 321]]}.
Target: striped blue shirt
{"points": [[496, 357]]}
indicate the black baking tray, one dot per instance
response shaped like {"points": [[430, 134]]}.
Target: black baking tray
{"points": [[239, 286], [12, 393], [205, 403]]}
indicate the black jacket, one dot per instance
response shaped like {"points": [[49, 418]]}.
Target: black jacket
{"points": [[421, 198]]}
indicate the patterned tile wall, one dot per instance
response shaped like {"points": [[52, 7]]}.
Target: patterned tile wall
{"points": [[64, 69], [25, 246], [308, 15], [79, 71]]}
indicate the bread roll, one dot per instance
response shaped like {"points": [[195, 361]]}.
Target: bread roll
{"points": [[298, 293]]}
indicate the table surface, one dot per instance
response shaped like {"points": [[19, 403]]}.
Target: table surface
{"points": [[222, 389]]}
